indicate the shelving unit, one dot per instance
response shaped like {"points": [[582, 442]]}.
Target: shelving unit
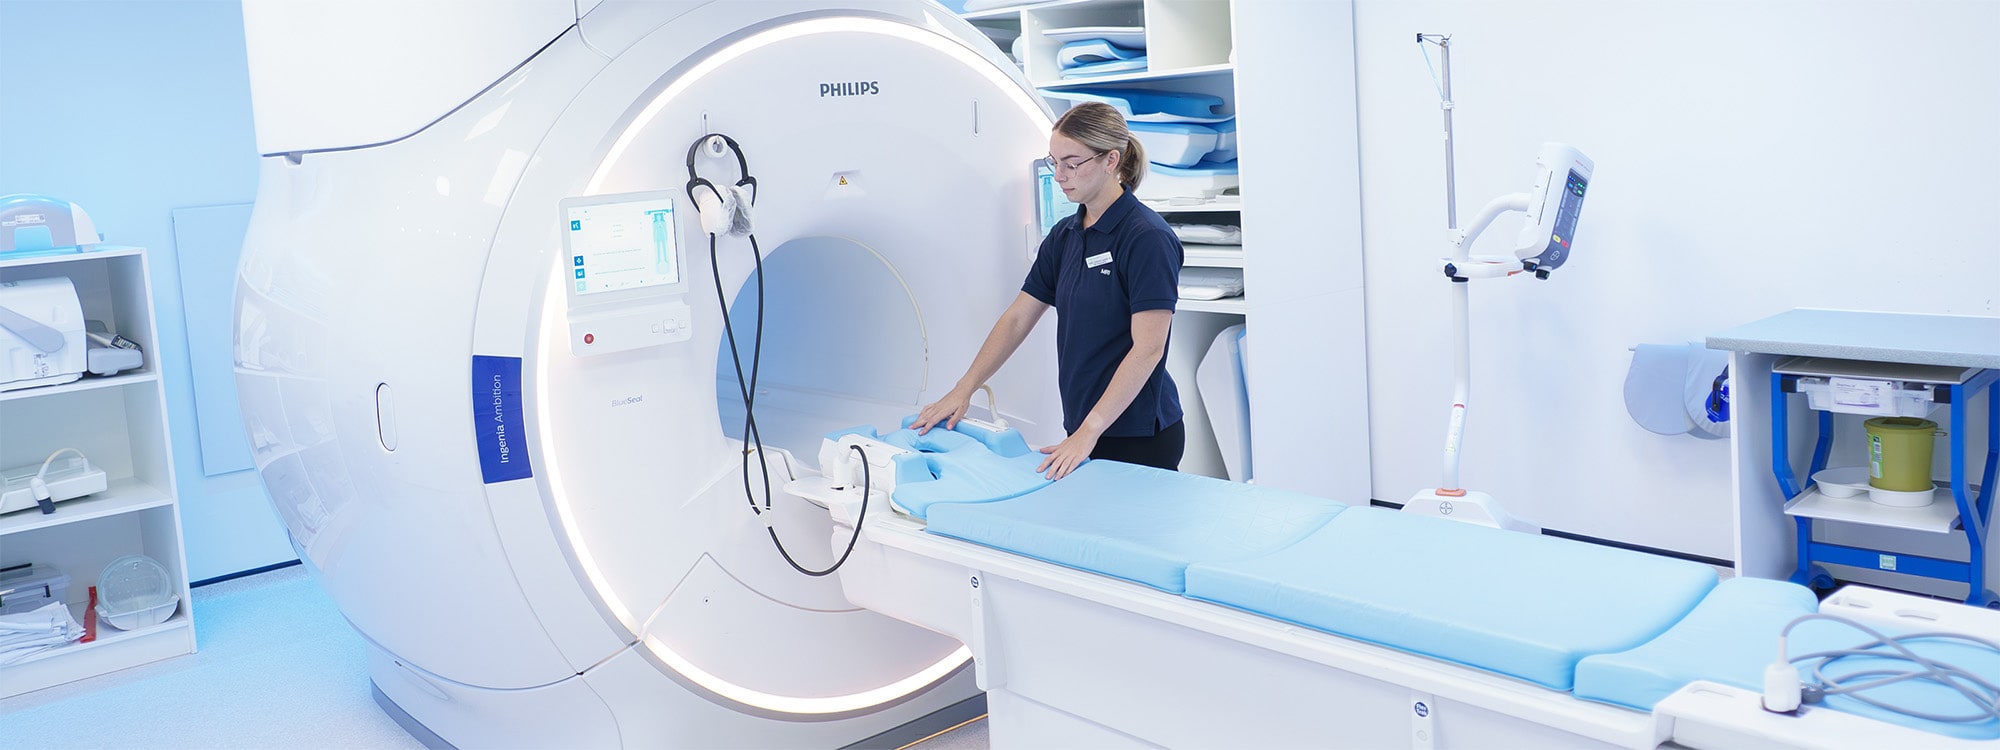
{"points": [[1783, 525], [1302, 229], [1189, 45], [120, 422]]}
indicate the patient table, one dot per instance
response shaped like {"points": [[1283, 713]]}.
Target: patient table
{"points": [[1128, 606]]}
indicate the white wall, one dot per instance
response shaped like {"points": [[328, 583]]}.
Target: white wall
{"points": [[133, 110], [1751, 158]]}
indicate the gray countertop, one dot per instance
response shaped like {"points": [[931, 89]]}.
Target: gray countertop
{"points": [[1959, 340]]}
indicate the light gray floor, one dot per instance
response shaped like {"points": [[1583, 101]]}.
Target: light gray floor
{"points": [[277, 668]]}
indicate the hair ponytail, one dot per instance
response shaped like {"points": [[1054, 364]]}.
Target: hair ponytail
{"points": [[1132, 164]]}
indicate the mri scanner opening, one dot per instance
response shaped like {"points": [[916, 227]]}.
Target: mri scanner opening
{"points": [[827, 356]]}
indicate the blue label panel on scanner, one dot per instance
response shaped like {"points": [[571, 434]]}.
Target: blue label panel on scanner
{"points": [[496, 419]]}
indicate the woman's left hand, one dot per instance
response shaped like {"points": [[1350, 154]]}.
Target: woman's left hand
{"points": [[1065, 456]]}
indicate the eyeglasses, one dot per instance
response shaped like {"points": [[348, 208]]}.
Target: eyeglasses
{"points": [[1071, 166]]}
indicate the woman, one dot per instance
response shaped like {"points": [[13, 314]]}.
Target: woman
{"points": [[1112, 273]]}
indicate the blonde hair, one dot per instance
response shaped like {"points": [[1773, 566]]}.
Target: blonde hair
{"points": [[1101, 128]]}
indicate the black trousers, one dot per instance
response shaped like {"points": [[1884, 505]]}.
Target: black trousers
{"points": [[1160, 450]]}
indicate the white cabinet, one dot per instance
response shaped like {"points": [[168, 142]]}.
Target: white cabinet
{"points": [[120, 423], [1788, 527]]}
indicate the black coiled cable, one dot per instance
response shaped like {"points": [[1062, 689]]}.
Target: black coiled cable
{"points": [[748, 388]]}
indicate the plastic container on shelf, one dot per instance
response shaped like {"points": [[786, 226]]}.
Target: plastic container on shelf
{"points": [[1881, 398], [135, 592], [1899, 453], [1844, 481], [1902, 498], [30, 587]]}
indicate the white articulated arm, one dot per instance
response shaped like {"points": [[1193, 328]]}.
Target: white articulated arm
{"points": [[1463, 265]]}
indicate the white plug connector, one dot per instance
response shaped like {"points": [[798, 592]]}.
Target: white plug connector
{"points": [[43, 498], [1782, 686]]}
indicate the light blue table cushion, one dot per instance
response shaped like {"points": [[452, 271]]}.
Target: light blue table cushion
{"points": [[969, 464], [1729, 638], [1522, 605], [1138, 523]]}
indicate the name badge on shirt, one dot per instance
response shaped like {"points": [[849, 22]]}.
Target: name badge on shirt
{"points": [[1096, 260]]}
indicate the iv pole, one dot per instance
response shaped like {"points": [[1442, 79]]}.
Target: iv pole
{"points": [[1448, 499], [1460, 291]]}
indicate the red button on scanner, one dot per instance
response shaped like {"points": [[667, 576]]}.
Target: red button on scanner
{"points": [[590, 338]]}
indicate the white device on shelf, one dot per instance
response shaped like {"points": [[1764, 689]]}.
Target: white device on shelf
{"points": [[52, 481], [110, 353], [41, 333], [38, 222], [1562, 176]]}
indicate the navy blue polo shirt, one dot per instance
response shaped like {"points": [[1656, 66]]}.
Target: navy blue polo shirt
{"points": [[1096, 279]]}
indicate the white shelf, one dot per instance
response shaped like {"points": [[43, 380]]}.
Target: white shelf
{"points": [[87, 383], [122, 496], [108, 637], [89, 252], [1940, 517], [120, 422], [1229, 305], [1219, 71], [1013, 10], [1190, 205], [113, 650], [1212, 256]]}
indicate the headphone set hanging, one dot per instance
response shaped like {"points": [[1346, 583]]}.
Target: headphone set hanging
{"points": [[726, 210], [723, 210]]}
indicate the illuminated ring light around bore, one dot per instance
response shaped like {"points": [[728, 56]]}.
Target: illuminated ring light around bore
{"points": [[769, 701]]}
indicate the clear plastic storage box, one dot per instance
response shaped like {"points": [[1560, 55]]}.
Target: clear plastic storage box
{"points": [[26, 588], [1879, 389]]}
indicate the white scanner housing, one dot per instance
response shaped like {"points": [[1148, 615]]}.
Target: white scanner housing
{"points": [[546, 544]]}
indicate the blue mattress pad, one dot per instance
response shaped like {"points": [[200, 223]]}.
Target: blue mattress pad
{"points": [[1729, 638], [1617, 626], [1522, 605], [965, 464], [1733, 635], [1138, 523]]}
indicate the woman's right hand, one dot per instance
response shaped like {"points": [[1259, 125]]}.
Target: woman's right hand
{"points": [[947, 410]]}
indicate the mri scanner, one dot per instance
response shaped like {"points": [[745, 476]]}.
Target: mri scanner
{"points": [[488, 360], [524, 491]]}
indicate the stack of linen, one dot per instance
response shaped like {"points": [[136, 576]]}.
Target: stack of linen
{"points": [[28, 633]]}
